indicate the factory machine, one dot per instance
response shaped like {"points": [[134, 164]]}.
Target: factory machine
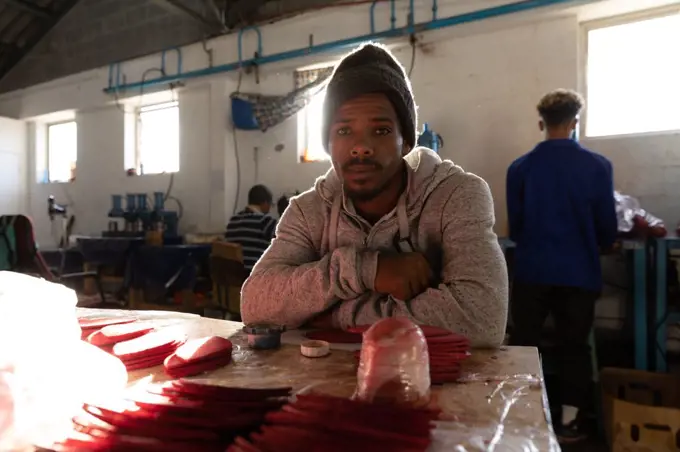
{"points": [[138, 218], [429, 139]]}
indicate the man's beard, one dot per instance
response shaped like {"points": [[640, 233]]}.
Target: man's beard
{"points": [[367, 194]]}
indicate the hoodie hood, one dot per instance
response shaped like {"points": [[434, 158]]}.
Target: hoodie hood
{"points": [[426, 170]]}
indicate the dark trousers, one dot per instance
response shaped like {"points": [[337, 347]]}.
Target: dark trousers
{"points": [[573, 311]]}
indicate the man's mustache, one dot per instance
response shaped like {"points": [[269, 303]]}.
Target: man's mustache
{"points": [[361, 163]]}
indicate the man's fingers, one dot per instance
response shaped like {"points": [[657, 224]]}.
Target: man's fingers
{"points": [[411, 288], [419, 280], [425, 271], [423, 279]]}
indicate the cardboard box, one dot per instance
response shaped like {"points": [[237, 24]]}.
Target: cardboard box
{"points": [[641, 410]]}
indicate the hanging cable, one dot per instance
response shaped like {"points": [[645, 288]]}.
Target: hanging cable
{"points": [[236, 155], [413, 41]]}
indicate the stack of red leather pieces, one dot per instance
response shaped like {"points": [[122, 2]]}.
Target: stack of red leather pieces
{"points": [[92, 325], [149, 350], [447, 351], [109, 335], [140, 345], [177, 416], [332, 424], [137, 344]]}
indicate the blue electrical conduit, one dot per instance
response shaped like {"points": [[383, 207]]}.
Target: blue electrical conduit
{"points": [[240, 42], [179, 59], [393, 15], [116, 68], [435, 24]]}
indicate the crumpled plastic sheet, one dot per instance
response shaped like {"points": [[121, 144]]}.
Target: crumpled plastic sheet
{"points": [[506, 423], [627, 208], [509, 421], [485, 412]]}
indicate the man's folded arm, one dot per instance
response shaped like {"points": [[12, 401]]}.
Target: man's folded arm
{"points": [[291, 284], [472, 298]]}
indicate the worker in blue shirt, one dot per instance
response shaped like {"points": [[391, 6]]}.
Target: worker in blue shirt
{"points": [[561, 214]]}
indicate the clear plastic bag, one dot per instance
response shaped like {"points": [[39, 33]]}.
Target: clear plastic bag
{"points": [[45, 369], [634, 221], [394, 366]]}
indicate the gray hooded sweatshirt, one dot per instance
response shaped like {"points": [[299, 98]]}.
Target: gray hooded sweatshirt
{"points": [[325, 256]]}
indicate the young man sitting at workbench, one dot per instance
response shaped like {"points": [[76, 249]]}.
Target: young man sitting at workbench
{"points": [[253, 228], [561, 212], [390, 230]]}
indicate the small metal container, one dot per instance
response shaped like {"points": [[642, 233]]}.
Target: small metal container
{"points": [[264, 336]]}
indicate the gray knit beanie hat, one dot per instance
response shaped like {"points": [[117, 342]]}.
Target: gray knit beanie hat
{"points": [[371, 68]]}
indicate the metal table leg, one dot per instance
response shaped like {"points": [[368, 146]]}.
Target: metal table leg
{"points": [[640, 306], [659, 333]]}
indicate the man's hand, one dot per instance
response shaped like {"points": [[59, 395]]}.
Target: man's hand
{"points": [[402, 275]]}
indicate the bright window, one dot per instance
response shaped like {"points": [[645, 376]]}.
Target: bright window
{"points": [[309, 131], [158, 139], [633, 77], [62, 151]]}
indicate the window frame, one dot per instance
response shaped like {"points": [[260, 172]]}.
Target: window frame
{"points": [[302, 116], [303, 129], [612, 21], [48, 152], [138, 132]]}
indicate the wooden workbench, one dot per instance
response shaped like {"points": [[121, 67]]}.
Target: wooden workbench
{"points": [[500, 404]]}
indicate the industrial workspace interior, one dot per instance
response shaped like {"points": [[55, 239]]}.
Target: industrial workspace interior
{"points": [[339, 225]]}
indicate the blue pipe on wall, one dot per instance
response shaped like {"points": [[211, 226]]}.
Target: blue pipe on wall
{"points": [[240, 42], [393, 14], [179, 59], [475, 16]]}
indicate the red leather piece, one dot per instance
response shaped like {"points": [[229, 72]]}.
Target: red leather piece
{"points": [[182, 370], [446, 353], [113, 334], [230, 393], [333, 424], [204, 349], [158, 341], [101, 322], [143, 423], [428, 331], [100, 441]]}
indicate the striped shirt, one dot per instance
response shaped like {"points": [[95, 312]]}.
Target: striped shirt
{"points": [[252, 230]]}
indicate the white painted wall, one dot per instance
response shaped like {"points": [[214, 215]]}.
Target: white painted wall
{"points": [[476, 84], [13, 156]]}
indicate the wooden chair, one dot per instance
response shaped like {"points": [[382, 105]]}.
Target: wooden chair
{"points": [[228, 274]]}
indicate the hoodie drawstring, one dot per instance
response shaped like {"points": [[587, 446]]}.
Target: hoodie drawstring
{"points": [[402, 218], [333, 224]]}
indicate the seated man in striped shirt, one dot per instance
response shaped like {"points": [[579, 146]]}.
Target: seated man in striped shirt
{"points": [[253, 228]]}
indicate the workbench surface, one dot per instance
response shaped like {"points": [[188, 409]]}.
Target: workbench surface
{"points": [[500, 404]]}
